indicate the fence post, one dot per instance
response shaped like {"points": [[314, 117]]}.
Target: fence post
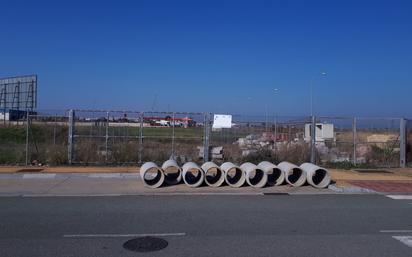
{"points": [[313, 140], [106, 137], [276, 133], [354, 138], [173, 137], [54, 129], [27, 137], [206, 138], [402, 143], [141, 137], [71, 137]]}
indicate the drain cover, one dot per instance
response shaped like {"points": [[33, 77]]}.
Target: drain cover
{"points": [[145, 244]]}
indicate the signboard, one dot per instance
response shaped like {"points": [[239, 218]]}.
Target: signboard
{"points": [[222, 121], [18, 93]]}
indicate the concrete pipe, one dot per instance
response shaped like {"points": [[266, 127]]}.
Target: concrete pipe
{"points": [[255, 176], [317, 177], [172, 171], [234, 175], [214, 176], [294, 175], [274, 174], [193, 175], [152, 175]]}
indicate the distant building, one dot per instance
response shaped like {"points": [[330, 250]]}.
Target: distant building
{"points": [[323, 132], [13, 115]]}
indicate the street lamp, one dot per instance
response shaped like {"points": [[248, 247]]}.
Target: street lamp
{"points": [[311, 90]]}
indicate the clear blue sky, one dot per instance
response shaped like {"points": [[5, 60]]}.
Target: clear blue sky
{"points": [[218, 56]]}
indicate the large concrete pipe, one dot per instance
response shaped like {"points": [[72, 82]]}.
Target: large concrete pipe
{"points": [[294, 175], [214, 176], [172, 171], [193, 175], [234, 175], [255, 176], [316, 176], [274, 174], [152, 175]]}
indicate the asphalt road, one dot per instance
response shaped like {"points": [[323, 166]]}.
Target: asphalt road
{"points": [[270, 225]]}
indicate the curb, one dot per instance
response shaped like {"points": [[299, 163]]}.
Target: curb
{"points": [[69, 175]]}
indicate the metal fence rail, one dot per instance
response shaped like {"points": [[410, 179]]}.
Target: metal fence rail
{"points": [[108, 137]]}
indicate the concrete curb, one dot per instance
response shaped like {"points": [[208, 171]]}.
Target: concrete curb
{"points": [[69, 175]]}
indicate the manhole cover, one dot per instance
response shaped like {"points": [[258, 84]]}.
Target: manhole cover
{"points": [[145, 244]]}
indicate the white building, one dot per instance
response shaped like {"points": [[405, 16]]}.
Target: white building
{"points": [[323, 132], [4, 116]]}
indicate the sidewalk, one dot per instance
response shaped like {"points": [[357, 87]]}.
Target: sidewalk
{"points": [[50, 181], [395, 181]]}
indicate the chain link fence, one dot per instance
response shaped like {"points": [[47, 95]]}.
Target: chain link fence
{"points": [[95, 137]]}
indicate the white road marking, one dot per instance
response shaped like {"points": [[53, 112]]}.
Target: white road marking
{"points": [[396, 231], [404, 239], [122, 235], [400, 197]]}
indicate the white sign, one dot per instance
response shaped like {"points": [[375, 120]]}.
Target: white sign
{"points": [[222, 121]]}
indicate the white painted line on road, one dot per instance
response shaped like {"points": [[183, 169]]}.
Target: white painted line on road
{"points": [[122, 235], [32, 176], [396, 231], [400, 197], [404, 239]]}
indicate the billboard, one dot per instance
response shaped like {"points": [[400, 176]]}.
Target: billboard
{"points": [[18, 93]]}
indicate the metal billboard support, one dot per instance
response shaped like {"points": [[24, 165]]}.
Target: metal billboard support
{"points": [[27, 137]]}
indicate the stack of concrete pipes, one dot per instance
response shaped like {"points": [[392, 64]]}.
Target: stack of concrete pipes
{"points": [[261, 175]]}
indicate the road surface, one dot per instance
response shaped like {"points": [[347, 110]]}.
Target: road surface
{"points": [[243, 225]]}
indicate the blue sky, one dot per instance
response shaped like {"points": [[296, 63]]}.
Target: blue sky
{"points": [[218, 56]]}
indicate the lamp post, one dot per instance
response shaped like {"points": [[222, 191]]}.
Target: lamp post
{"points": [[311, 90]]}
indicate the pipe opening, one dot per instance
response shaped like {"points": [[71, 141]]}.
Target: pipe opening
{"points": [[256, 176], [193, 176], [213, 175], [294, 175], [234, 175], [172, 174], [273, 176], [319, 176], [152, 176]]}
